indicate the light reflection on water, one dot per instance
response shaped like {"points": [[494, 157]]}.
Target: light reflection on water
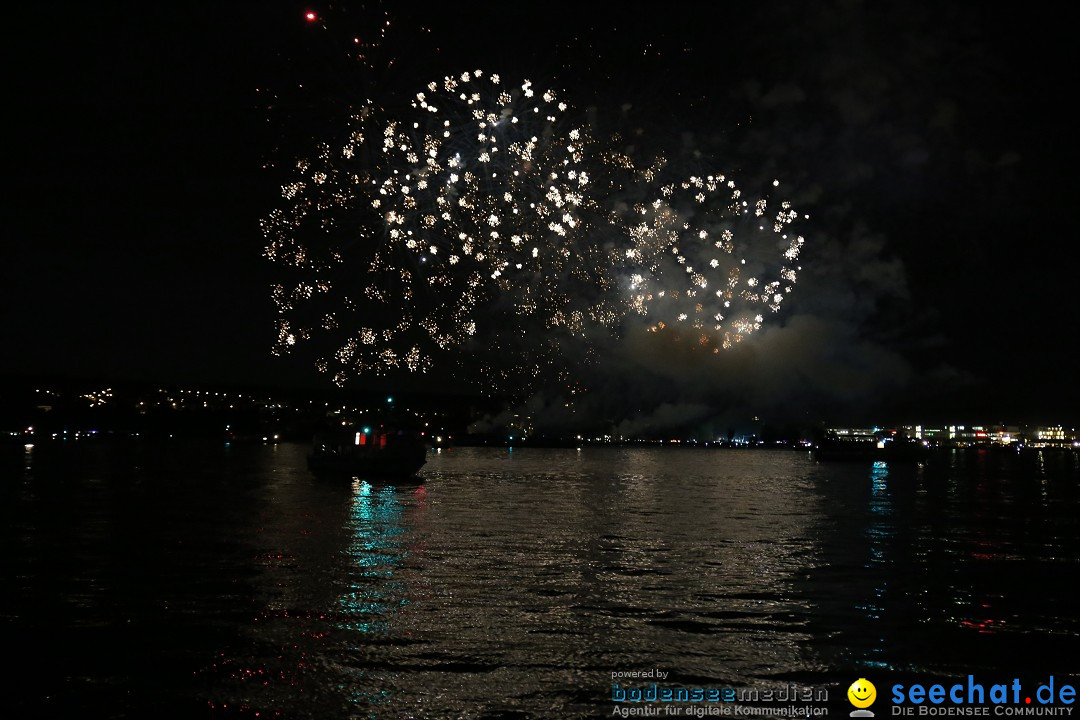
{"points": [[511, 584]]}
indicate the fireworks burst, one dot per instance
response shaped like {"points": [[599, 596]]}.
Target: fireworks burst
{"points": [[478, 224], [708, 262]]}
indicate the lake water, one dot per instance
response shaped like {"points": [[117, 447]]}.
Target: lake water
{"points": [[196, 580]]}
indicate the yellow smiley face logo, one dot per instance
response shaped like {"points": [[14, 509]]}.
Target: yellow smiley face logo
{"points": [[862, 693]]}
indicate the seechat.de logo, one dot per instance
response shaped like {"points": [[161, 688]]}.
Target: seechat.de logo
{"points": [[862, 695]]}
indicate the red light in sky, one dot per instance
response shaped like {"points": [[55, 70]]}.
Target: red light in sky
{"points": [[311, 17]]}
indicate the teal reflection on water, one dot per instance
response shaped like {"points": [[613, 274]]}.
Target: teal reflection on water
{"points": [[881, 509], [878, 473], [879, 531], [375, 552]]}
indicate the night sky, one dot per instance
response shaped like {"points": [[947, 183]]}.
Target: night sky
{"points": [[933, 147]]}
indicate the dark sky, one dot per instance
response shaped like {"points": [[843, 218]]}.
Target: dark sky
{"points": [[933, 147]]}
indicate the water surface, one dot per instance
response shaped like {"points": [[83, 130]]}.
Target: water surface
{"points": [[197, 580]]}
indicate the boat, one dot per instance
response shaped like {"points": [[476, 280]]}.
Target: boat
{"points": [[882, 446], [369, 450]]}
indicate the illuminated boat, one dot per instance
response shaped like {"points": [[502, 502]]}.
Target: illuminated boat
{"points": [[881, 445], [369, 451]]}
